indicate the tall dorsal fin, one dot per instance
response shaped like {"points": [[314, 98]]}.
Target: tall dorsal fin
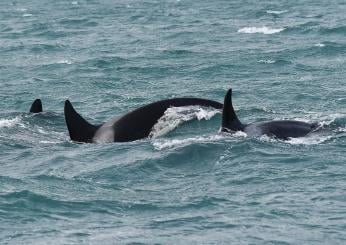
{"points": [[230, 120], [36, 106], [79, 129]]}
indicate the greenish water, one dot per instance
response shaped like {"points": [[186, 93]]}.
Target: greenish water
{"points": [[284, 60]]}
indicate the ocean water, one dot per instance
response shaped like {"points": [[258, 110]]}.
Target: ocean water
{"points": [[188, 183]]}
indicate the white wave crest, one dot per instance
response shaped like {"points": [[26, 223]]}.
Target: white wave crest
{"points": [[266, 61], [276, 11], [341, 130], [309, 140], [174, 116], [68, 62], [9, 122], [312, 139], [328, 119], [264, 30], [164, 144], [321, 45]]}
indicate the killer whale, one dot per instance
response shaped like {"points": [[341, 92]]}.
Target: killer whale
{"points": [[134, 125], [281, 129], [36, 106]]}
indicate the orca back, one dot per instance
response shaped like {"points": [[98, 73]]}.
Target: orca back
{"points": [[282, 129]]}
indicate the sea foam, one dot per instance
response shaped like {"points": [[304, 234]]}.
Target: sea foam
{"points": [[174, 116], [264, 30], [276, 11], [9, 122], [174, 143]]}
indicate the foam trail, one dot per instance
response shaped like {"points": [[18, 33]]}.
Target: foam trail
{"points": [[313, 139], [264, 30], [174, 116], [164, 144], [310, 140]]}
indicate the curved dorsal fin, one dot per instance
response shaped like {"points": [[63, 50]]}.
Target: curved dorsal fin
{"points": [[79, 129], [230, 120], [36, 106]]}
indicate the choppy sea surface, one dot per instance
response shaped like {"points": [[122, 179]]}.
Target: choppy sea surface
{"points": [[188, 183]]}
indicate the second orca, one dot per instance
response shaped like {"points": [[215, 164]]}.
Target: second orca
{"points": [[281, 129]]}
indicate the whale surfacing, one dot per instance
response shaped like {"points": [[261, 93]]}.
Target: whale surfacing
{"points": [[36, 106], [134, 125], [281, 129]]}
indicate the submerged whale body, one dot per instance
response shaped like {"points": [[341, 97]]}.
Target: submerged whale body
{"points": [[134, 125], [281, 129], [36, 106]]}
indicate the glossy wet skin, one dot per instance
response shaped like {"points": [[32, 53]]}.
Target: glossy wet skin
{"points": [[280, 129]]}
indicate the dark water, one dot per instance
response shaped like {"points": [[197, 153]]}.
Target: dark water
{"points": [[283, 59]]}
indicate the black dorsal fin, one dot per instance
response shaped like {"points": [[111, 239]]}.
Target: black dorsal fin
{"points": [[79, 129], [230, 120], [36, 106]]}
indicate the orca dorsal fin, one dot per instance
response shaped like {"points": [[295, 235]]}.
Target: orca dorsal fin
{"points": [[230, 120], [36, 106], [79, 129]]}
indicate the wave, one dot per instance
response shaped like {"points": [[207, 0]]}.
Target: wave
{"points": [[321, 45], [264, 30], [267, 61], [175, 116], [333, 30], [276, 11], [174, 143], [67, 62], [309, 140]]}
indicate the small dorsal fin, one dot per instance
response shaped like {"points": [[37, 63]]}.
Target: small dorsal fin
{"points": [[36, 106], [79, 129], [230, 120]]}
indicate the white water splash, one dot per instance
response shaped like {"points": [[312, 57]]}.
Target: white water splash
{"points": [[276, 11], [309, 140], [321, 45], [68, 62], [174, 116], [9, 122], [327, 120], [49, 142], [266, 61], [164, 144], [341, 130], [264, 30], [312, 139]]}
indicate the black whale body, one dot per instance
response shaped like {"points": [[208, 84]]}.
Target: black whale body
{"points": [[134, 125], [282, 129], [36, 106]]}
